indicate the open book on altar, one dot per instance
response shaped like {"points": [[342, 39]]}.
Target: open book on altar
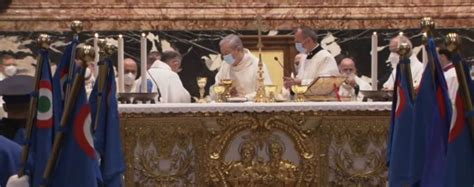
{"points": [[324, 87]]}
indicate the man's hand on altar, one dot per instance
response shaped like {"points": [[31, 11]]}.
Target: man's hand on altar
{"points": [[288, 82]]}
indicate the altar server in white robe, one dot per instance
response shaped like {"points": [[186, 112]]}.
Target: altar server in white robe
{"points": [[352, 86], [318, 62], [449, 73], [163, 73], [241, 66], [415, 65]]}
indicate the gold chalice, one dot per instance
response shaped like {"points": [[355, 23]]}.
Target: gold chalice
{"points": [[219, 90], [270, 92], [299, 92], [201, 82], [227, 83]]}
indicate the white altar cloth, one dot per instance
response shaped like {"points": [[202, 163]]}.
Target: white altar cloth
{"points": [[254, 107]]}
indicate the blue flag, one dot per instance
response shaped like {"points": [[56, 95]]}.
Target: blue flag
{"points": [[43, 128], [400, 130], [434, 169], [107, 135], [61, 79], [460, 169], [432, 129], [77, 163]]}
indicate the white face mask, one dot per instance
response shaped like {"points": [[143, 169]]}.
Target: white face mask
{"points": [[10, 70], [87, 75], [129, 78], [394, 59]]}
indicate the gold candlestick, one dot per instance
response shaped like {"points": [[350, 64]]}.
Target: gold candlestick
{"points": [[260, 95]]}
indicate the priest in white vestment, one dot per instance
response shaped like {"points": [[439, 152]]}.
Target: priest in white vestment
{"points": [[415, 65], [352, 86], [241, 66], [164, 74], [318, 62]]}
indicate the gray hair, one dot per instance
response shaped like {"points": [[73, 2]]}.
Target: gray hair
{"points": [[308, 32], [233, 40]]}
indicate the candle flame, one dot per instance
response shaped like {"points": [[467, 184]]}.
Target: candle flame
{"points": [[120, 36], [96, 35]]}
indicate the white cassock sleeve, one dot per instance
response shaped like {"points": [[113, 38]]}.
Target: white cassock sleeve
{"points": [[325, 67], [174, 91], [14, 181]]}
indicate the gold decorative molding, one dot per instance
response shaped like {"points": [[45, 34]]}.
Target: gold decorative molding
{"points": [[218, 15], [327, 148]]}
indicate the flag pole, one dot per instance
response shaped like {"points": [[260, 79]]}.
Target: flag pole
{"points": [[404, 50], [453, 42], [106, 49], [43, 43], [85, 54], [76, 27]]}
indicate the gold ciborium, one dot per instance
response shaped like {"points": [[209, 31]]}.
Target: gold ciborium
{"points": [[201, 82], [227, 83], [219, 90], [299, 92], [270, 91]]}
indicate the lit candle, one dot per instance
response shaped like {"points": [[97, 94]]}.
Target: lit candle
{"points": [[374, 60], [143, 64], [96, 47], [120, 64], [424, 54]]}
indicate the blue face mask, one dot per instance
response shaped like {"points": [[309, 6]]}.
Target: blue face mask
{"points": [[229, 59], [299, 47]]}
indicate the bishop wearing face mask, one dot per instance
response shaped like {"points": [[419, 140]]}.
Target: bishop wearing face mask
{"points": [[241, 66], [318, 62], [130, 71], [415, 65], [8, 67]]}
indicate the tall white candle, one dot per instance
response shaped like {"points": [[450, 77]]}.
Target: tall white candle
{"points": [[374, 61], [143, 64], [96, 47], [424, 54], [120, 64]]}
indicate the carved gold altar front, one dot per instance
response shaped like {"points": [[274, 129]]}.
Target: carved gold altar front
{"points": [[327, 148]]}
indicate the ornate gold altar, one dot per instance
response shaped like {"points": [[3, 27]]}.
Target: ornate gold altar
{"points": [[249, 144]]}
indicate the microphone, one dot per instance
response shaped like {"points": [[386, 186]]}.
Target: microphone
{"points": [[276, 59]]}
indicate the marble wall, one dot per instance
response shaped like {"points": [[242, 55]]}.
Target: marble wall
{"points": [[100, 15]]}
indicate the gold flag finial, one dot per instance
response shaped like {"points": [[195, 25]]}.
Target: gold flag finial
{"points": [[427, 25], [85, 53], [76, 26], [44, 41], [453, 42], [404, 49]]}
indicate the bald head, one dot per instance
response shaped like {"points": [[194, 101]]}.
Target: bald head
{"points": [[130, 66], [347, 66], [396, 41]]}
